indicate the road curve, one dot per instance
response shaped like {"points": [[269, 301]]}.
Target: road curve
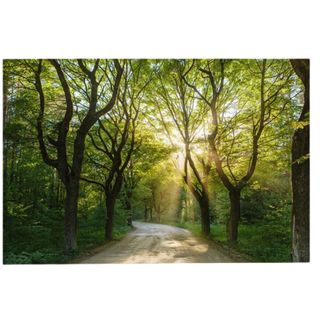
{"points": [[157, 243]]}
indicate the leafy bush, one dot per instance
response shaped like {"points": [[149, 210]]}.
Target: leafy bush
{"points": [[259, 204], [37, 237], [269, 242], [21, 258], [36, 257]]}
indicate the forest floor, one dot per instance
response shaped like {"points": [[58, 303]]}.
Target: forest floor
{"points": [[158, 243]]}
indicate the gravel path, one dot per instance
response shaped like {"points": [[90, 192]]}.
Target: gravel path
{"points": [[157, 243]]}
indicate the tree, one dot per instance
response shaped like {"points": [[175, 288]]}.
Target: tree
{"points": [[229, 125], [82, 83], [187, 115], [301, 172], [115, 139]]}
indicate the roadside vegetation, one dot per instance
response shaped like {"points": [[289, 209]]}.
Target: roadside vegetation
{"points": [[217, 146]]}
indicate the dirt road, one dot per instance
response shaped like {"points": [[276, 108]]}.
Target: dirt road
{"points": [[156, 243]]}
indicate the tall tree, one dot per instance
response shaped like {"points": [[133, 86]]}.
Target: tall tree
{"points": [[232, 112], [89, 80], [301, 172], [187, 115], [115, 138]]}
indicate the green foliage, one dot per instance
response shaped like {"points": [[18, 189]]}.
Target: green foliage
{"points": [[36, 257], [91, 227], [302, 159], [300, 124], [34, 194], [34, 238], [193, 227], [41, 242], [264, 242], [261, 204]]}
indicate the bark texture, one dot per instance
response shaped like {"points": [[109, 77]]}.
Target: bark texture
{"points": [[110, 205], [69, 171], [232, 184], [301, 174], [205, 216], [234, 219], [116, 145]]}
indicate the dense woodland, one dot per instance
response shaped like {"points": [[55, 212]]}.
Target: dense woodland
{"points": [[220, 147]]}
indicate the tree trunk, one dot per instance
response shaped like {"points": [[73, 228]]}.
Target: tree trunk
{"points": [[110, 205], [145, 214], [70, 215], [58, 190], [300, 175], [72, 193], [205, 216], [5, 147], [300, 204], [128, 207], [186, 210], [5, 98], [145, 211], [234, 218]]}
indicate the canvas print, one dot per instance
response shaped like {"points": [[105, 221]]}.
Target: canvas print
{"points": [[155, 160]]}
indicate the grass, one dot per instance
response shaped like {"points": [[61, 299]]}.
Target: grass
{"points": [[261, 242], [195, 228], [37, 244], [34, 250]]}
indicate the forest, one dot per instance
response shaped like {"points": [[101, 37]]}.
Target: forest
{"points": [[219, 147]]}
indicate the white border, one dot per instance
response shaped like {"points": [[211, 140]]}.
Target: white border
{"points": [[166, 29]]}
